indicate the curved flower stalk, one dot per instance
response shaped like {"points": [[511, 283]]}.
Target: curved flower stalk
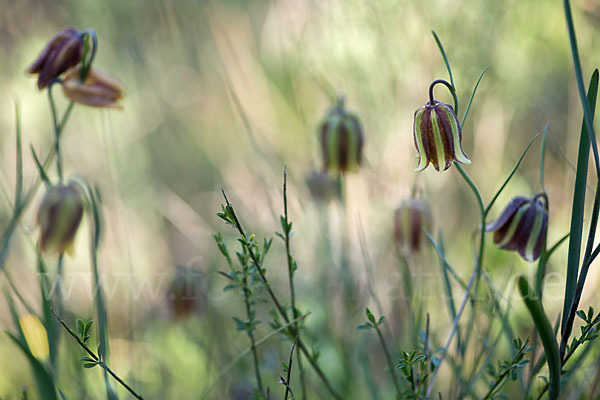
{"points": [[437, 134]]}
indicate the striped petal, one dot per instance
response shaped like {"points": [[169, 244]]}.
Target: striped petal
{"points": [[437, 137], [521, 226], [342, 140], [508, 212]]}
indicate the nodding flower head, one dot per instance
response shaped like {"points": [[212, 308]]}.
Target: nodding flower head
{"points": [[97, 90], [63, 51], [411, 220], [522, 226], [342, 140], [59, 217], [437, 134]]}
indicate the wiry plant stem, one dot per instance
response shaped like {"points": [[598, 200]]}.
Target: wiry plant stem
{"points": [[95, 357], [291, 271], [389, 360], [250, 332], [278, 306]]}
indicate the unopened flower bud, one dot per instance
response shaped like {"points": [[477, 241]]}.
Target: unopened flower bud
{"points": [[59, 217], [98, 90], [342, 140], [185, 294], [63, 51], [522, 226], [411, 220], [437, 135]]}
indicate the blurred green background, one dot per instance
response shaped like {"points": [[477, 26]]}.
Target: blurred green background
{"points": [[220, 94]]}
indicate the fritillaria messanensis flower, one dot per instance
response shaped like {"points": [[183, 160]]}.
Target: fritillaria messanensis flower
{"points": [[342, 140], [411, 220], [59, 217], [63, 51], [97, 90], [437, 134], [522, 226]]}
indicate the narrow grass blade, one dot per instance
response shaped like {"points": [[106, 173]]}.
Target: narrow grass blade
{"points": [[543, 156], [546, 334], [96, 234], [445, 57], [19, 181], [40, 167], [50, 324], [588, 116], [447, 285], [448, 267], [464, 118], [576, 229], [541, 270], [42, 376], [514, 170]]}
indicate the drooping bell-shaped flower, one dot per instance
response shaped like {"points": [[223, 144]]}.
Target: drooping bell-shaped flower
{"points": [[522, 226], [59, 217], [437, 134], [63, 51], [342, 140], [411, 220], [97, 90]]}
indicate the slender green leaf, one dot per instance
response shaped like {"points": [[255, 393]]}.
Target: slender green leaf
{"points": [[50, 323], [544, 257], [543, 157], [464, 118], [575, 233], [445, 57], [19, 182], [512, 172], [42, 376], [40, 167]]}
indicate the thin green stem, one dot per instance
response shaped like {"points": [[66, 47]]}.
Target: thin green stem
{"points": [[450, 88], [250, 332], [95, 357], [288, 390], [278, 306], [87, 64], [475, 275], [388, 358], [26, 199], [59, 169], [291, 270]]}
